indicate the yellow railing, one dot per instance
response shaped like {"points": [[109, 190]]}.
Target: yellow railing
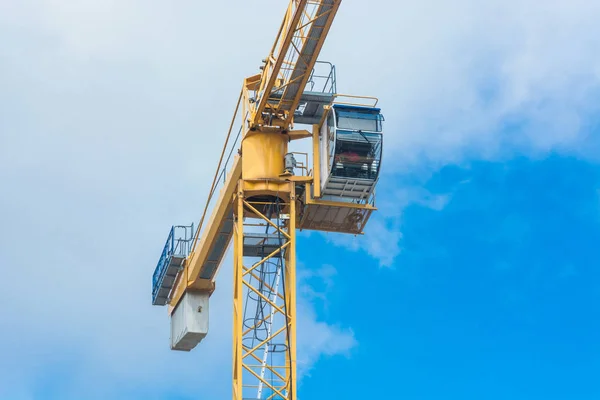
{"points": [[303, 164]]}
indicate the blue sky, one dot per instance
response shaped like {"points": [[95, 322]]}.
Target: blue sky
{"points": [[476, 279], [495, 296]]}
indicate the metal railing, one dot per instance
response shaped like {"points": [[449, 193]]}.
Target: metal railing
{"points": [[322, 79], [302, 163], [231, 147], [179, 243]]}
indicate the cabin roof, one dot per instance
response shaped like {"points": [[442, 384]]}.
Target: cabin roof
{"points": [[357, 108]]}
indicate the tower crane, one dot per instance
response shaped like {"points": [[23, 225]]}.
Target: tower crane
{"points": [[262, 193]]}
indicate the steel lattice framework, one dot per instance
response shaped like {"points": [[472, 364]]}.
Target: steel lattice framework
{"points": [[291, 60], [264, 356]]}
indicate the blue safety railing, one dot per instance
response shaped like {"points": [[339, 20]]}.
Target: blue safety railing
{"points": [[178, 244]]}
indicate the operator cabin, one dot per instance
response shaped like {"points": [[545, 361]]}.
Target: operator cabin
{"points": [[351, 141]]}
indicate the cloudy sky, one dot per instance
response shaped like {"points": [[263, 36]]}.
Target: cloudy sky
{"points": [[477, 279]]}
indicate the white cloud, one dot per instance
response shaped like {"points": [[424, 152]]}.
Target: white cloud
{"points": [[383, 234], [318, 338], [451, 76], [112, 115], [468, 79]]}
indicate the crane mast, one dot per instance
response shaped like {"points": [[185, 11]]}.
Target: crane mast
{"points": [[266, 195]]}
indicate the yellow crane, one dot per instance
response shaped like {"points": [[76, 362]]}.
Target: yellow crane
{"points": [[265, 194]]}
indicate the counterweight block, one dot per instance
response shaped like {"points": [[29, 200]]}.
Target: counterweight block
{"points": [[189, 321]]}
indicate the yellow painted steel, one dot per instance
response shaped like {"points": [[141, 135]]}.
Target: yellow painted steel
{"points": [[333, 216], [260, 188], [273, 253], [238, 316], [288, 67], [255, 180], [249, 370], [310, 33], [197, 258], [276, 58], [263, 163], [299, 134], [241, 101], [290, 276], [371, 101], [263, 155]]}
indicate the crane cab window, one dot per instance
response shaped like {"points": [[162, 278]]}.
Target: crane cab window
{"points": [[358, 119], [356, 148]]}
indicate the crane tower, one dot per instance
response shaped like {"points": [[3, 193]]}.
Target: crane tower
{"points": [[263, 192]]}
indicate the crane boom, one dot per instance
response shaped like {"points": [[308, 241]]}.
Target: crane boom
{"points": [[287, 68]]}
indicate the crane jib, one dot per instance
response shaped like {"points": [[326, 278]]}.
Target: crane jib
{"points": [[287, 69]]}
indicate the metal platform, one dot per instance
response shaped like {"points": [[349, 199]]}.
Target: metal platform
{"points": [[173, 265], [311, 108], [354, 188], [261, 244], [334, 216], [320, 91], [171, 260], [310, 48]]}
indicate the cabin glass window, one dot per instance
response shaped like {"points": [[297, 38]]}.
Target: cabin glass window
{"points": [[357, 155], [358, 121]]}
